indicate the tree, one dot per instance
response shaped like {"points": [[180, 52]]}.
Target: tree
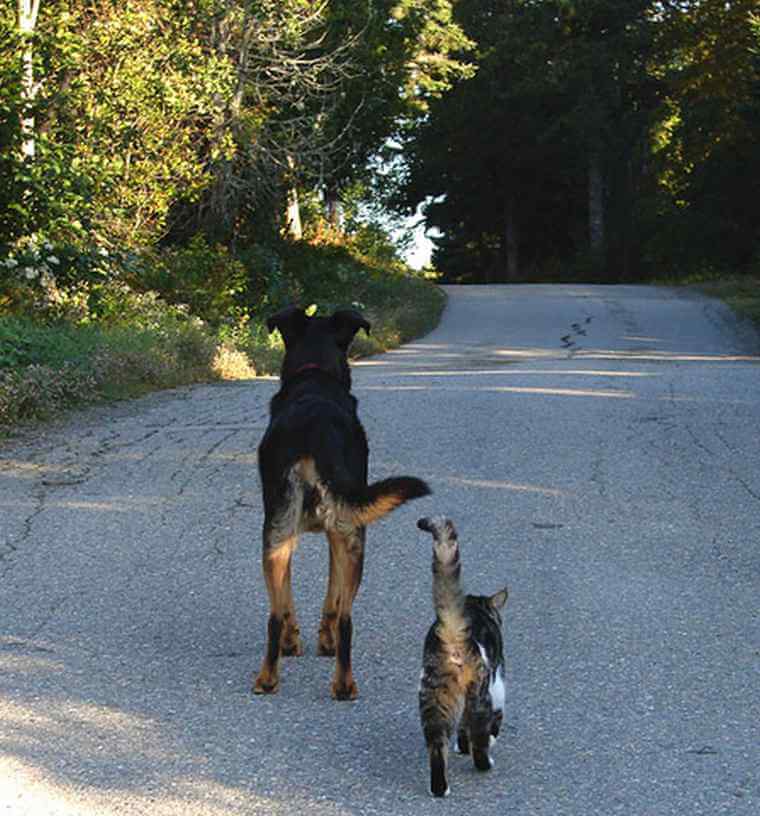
{"points": [[405, 54], [545, 146], [708, 151]]}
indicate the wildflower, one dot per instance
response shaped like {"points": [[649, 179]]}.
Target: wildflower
{"points": [[30, 273], [103, 251], [11, 263], [53, 260]]}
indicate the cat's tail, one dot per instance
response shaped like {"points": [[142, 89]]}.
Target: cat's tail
{"points": [[448, 596]]}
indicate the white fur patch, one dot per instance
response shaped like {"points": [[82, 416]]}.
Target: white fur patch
{"points": [[496, 690]]}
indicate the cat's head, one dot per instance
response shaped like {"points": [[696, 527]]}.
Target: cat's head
{"points": [[490, 605]]}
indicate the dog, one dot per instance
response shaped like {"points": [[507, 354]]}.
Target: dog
{"points": [[313, 463]]}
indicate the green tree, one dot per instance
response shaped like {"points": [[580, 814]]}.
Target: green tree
{"points": [[708, 148], [546, 147]]}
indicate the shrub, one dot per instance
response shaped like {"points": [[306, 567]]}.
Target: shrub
{"points": [[207, 279]]}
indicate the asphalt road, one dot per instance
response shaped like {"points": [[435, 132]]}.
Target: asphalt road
{"points": [[599, 451]]}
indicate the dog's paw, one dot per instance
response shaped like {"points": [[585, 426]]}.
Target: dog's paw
{"points": [[326, 639], [292, 648], [266, 684], [344, 691]]}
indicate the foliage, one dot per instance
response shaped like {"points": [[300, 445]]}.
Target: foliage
{"points": [[81, 341], [603, 139], [208, 280]]}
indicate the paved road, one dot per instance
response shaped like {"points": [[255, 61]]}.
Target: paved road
{"points": [[599, 450]]}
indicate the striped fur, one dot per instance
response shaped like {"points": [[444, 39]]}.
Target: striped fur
{"points": [[462, 681]]}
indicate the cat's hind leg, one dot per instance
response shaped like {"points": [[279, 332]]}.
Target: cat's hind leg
{"points": [[463, 741], [479, 719], [440, 708], [438, 750]]}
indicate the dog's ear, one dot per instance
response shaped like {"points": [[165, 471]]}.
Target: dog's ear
{"points": [[291, 322], [345, 323], [499, 599]]}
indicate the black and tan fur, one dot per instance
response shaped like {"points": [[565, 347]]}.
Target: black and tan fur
{"points": [[313, 462], [462, 680]]}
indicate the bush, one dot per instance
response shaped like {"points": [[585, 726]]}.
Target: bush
{"points": [[207, 279]]}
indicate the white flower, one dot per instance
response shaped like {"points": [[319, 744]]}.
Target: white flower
{"points": [[30, 273], [11, 263], [53, 260], [103, 251], [48, 246]]}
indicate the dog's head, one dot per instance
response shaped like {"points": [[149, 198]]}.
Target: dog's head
{"points": [[317, 342]]}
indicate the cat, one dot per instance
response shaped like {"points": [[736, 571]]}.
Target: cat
{"points": [[462, 681]]}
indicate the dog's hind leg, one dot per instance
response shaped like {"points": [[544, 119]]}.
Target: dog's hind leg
{"points": [[348, 553], [290, 645], [276, 566], [327, 625], [280, 540]]}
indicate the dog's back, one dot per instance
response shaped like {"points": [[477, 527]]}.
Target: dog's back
{"points": [[314, 455]]}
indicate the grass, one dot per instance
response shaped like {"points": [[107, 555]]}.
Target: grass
{"points": [[742, 294], [49, 367], [398, 311]]}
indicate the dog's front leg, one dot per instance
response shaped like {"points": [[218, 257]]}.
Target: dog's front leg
{"points": [[276, 566], [349, 558]]}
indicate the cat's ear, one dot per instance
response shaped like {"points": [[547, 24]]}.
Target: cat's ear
{"points": [[499, 599]]}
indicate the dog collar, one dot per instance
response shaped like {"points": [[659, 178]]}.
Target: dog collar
{"points": [[307, 367]]}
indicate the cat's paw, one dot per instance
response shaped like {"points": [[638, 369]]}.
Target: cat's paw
{"points": [[482, 760]]}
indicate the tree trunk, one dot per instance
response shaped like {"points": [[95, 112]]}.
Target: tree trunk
{"points": [[28, 10], [293, 214], [332, 208], [293, 219], [596, 225], [511, 238]]}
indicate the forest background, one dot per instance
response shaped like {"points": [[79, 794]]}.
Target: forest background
{"points": [[172, 171]]}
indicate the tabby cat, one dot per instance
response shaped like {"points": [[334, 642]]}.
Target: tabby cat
{"points": [[462, 677]]}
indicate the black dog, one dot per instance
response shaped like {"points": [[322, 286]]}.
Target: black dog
{"points": [[313, 466]]}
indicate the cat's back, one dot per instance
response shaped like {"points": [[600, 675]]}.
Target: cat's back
{"points": [[484, 625]]}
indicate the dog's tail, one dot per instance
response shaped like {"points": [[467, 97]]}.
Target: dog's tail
{"points": [[362, 507], [339, 504], [448, 595]]}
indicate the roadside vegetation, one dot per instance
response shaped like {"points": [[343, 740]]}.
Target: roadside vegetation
{"points": [[108, 336], [173, 172], [740, 293]]}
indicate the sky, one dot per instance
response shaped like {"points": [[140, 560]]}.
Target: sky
{"points": [[418, 255]]}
